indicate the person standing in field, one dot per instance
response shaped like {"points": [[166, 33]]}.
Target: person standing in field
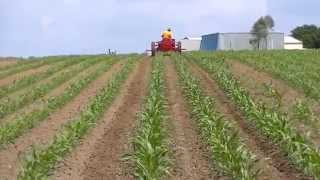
{"points": [[167, 34]]}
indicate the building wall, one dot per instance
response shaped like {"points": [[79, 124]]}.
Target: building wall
{"points": [[209, 42], [239, 41], [293, 46], [235, 41], [190, 45]]}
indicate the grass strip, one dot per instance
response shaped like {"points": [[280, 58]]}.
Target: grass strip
{"points": [[272, 124], [228, 152], [10, 131], [40, 161]]}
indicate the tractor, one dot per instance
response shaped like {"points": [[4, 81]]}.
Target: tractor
{"points": [[165, 45]]}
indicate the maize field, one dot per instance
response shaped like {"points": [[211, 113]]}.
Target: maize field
{"points": [[240, 115]]}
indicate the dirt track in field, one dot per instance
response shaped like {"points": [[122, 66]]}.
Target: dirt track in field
{"points": [[273, 164], [254, 80], [45, 131], [99, 155], [190, 154], [10, 79]]}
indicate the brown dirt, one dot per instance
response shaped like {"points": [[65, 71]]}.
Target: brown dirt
{"points": [[254, 80], [20, 75], [191, 156], [45, 131], [6, 63], [272, 163], [99, 155], [38, 104]]}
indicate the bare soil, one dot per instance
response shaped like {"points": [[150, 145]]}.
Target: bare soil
{"points": [[191, 156], [270, 160], [99, 155], [254, 81], [45, 131]]}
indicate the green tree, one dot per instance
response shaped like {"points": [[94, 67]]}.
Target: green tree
{"points": [[308, 34], [260, 31]]}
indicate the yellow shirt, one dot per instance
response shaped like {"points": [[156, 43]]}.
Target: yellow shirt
{"points": [[166, 35]]}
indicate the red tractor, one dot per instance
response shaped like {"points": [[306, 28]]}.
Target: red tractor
{"points": [[166, 45]]}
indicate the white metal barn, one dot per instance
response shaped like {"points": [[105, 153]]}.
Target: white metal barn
{"points": [[191, 44], [292, 43]]}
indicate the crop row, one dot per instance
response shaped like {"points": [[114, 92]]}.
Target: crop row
{"points": [[28, 80], [19, 62], [13, 65], [14, 129], [28, 65], [9, 105], [271, 123], [150, 153], [228, 152], [299, 68], [41, 160]]}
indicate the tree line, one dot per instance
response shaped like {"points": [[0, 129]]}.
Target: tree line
{"points": [[308, 34]]}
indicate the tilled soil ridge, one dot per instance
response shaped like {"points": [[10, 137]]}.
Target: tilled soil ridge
{"points": [[99, 155], [192, 159], [272, 163], [45, 131]]}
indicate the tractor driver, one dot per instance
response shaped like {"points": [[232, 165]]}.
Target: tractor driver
{"points": [[167, 34]]}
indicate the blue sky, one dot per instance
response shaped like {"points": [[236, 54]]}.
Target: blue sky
{"points": [[51, 27]]}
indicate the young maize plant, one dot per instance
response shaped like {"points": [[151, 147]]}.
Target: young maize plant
{"points": [[40, 161], [9, 105], [150, 153], [228, 152], [303, 113], [28, 80], [272, 124], [16, 128]]}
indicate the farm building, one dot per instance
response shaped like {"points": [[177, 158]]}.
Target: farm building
{"points": [[191, 44], [238, 41], [292, 43]]}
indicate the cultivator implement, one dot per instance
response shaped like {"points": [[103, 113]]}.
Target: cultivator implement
{"points": [[166, 45]]}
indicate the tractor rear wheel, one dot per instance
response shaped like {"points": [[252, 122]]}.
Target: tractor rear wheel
{"points": [[153, 49], [179, 49]]}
